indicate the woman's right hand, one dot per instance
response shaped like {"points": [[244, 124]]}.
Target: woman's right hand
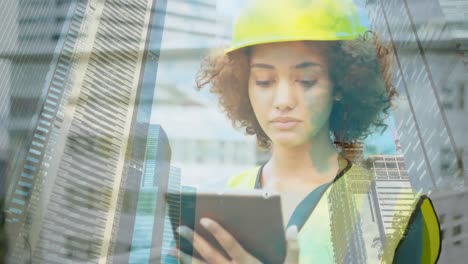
{"points": [[292, 255]]}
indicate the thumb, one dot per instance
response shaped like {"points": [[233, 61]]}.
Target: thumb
{"points": [[292, 252]]}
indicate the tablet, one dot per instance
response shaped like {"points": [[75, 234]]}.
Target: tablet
{"points": [[253, 217]]}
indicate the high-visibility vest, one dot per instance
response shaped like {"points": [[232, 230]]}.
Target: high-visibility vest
{"points": [[342, 228]]}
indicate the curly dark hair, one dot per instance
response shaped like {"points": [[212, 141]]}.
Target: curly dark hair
{"points": [[359, 70]]}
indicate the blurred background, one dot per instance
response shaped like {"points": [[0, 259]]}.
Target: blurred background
{"points": [[99, 117]]}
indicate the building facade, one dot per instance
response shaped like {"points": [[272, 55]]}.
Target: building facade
{"points": [[426, 62], [32, 33], [147, 237], [429, 39], [451, 208], [211, 150], [392, 192], [169, 241], [62, 206]]}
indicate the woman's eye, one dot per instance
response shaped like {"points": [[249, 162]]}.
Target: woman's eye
{"points": [[307, 83], [264, 83]]}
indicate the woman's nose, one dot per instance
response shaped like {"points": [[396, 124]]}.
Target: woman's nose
{"points": [[284, 96]]}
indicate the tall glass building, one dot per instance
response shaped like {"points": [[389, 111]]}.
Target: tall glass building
{"points": [[148, 225], [427, 63], [168, 238], [62, 203], [430, 38], [391, 191], [31, 32]]}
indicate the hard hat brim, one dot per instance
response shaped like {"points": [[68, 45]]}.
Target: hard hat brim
{"points": [[244, 44]]}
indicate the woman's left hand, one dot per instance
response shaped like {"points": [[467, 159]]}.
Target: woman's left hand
{"points": [[237, 253]]}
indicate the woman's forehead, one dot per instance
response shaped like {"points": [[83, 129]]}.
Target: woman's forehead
{"points": [[288, 54]]}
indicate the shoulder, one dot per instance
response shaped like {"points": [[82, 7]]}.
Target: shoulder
{"points": [[244, 179], [422, 239], [431, 230]]}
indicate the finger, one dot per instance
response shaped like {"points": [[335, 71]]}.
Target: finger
{"points": [[204, 248], [227, 241], [187, 259], [292, 251]]}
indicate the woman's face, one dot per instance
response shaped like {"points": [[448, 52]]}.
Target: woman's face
{"points": [[290, 91]]}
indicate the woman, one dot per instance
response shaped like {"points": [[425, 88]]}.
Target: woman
{"points": [[299, 82]]}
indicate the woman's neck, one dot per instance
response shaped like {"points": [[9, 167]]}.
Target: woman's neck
{"points": [[317, 158]]}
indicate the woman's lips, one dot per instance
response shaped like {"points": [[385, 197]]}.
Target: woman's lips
{"points": [[285, 125]]}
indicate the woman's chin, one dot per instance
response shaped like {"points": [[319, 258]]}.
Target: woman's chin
{"points": [[289, 140]]}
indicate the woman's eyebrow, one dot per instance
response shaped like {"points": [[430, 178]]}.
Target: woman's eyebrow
{"points": [[262, 65], [301, 65], [306, 64]]}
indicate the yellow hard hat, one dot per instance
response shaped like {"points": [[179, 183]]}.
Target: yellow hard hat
{"points": [[267, 21]]}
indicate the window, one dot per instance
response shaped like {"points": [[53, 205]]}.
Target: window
{"points": [[27, 175], [461, 96], [200, 151], [55, 37], [379, 165], [221, 152], [447, 160], [24, 184], [22, 193], [34, 151], [447, 98], [447, 105], [29, 167], [401, 166], [457, 230], [457, 217], [441, 218], [59, 19], [31, 159], [39, 136], [15, 210], [61, 2], [22, 106], [18, 201]]}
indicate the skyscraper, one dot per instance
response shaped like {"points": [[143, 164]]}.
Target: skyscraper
{"points": [[425, 53], [452, 208], [30, 33], [391, 190], [63, 206], [168, 245], [213, 150], [430, 38], [148, 225], [345, 224]]}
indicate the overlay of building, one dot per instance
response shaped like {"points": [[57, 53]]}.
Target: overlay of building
{"points": [[204, 144], [30, 33], [168, 239], [392, 192], [62, 205], [146, 239], [430, 39], [350, 209], [427, 61], [452, 207]]}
